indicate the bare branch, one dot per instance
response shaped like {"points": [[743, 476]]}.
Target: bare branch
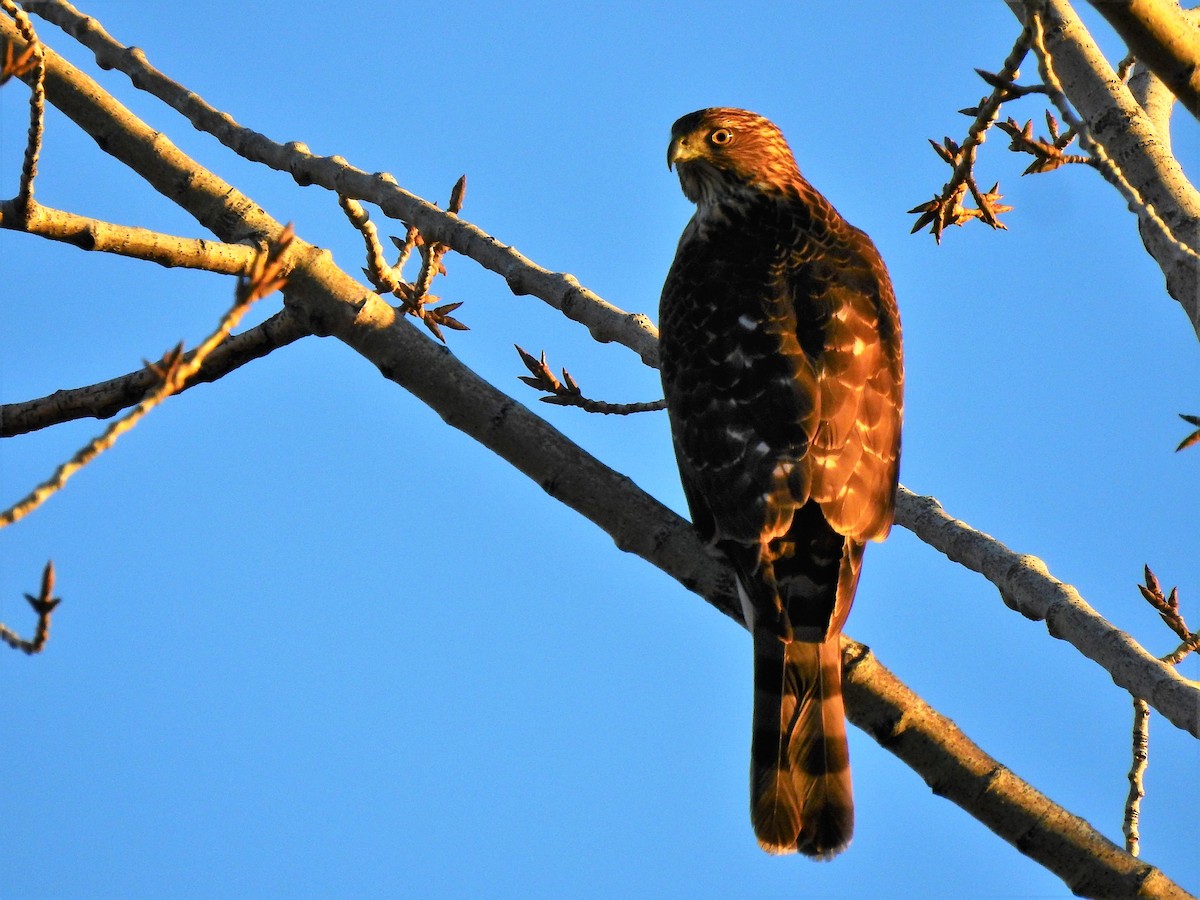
{"points": [[43, 604], [1155, 98], [1106, 164], [123, 240], [1027, 586], [1137, 775], [1118, 127], [1162, 36], [605, 322], [107, 398], [388, 279], [36, 73], [383, 277], [1167, 606], [568, 393], [172, 371], [957, 769], [946, 207]]}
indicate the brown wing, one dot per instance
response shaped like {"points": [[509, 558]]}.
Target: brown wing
{"points": [[855, 454]]}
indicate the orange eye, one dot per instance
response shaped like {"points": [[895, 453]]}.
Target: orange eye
{"points": [[721, 136]]}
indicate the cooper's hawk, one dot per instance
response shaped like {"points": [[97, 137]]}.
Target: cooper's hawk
{"points": [[783, 373]]}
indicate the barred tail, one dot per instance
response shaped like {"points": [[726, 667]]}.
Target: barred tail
{"points": [[800, 792]]}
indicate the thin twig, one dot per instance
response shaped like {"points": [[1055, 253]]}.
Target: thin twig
{"points": [[1137, 774], [37, 105], [389, 279], [383, 277], [946, 207], [568, 393], [1167, 606], [43, 604], [174, 369]]}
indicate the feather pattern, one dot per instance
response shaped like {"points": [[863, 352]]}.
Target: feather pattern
{"points": [[782, 367]]}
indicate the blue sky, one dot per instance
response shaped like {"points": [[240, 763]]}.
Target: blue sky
{"points": [[315, 643]]}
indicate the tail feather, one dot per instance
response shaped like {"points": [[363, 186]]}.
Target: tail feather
{"points": [[800, 791]]}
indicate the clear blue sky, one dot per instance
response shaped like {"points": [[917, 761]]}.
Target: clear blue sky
{"points": [[315, 643]]}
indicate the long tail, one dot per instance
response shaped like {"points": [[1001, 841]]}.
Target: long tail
{"points": [[800, 792]]}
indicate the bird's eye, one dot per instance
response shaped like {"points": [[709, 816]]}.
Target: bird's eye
{"points": [[721, 136]]}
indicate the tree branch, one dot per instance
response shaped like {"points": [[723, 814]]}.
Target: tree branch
{"points": [[957, 769], [605, 322], [37, 103], [123, 240], [1129, 139], [99, 401], [171, 374], [1161, 36], [1028, 587]]}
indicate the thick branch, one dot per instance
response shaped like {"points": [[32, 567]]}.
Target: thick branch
{"points": [[99, 401], [957, 769], [1116, 121], [605, 322], [1027, 586], [1161, 35], [123, 240]]}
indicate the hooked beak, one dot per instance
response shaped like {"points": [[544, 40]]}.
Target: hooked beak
{"points": [[675, 152]]}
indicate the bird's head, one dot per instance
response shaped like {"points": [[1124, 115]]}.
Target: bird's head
{"points": [[722, 151]]}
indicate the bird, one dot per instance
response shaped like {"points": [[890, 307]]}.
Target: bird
{"points": [[782, 368]]}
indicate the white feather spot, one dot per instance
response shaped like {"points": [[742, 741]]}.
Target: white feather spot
{"points": [[738, 434], [747, 322], [738, 358]]}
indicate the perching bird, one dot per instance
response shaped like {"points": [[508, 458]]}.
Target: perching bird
{"points": [[783, 373]]}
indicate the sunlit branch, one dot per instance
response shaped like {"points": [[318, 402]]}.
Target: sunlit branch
{"points": [[123, 240], [956, 768], [1028, 587], [37, 103], [1165, 38], [605, 322], [1101, 99], [172, 373]]}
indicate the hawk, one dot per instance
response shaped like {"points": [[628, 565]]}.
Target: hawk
{"points": [[783, 373]]}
